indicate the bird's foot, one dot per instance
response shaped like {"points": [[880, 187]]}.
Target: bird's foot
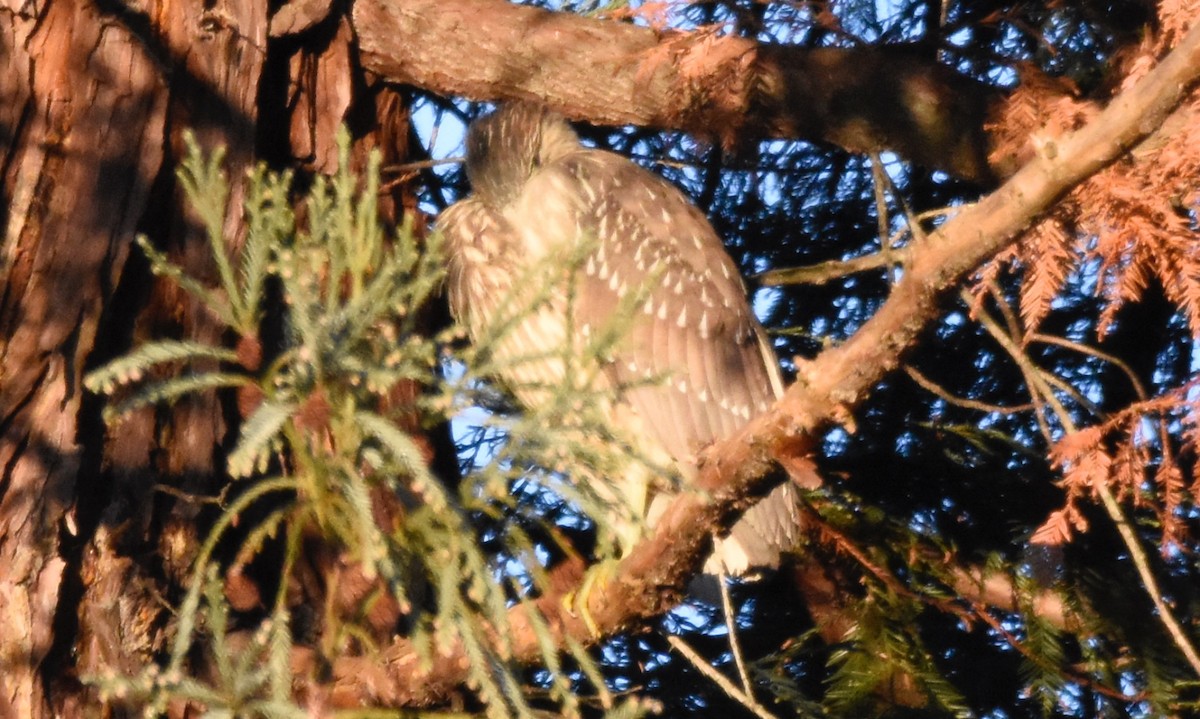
{"points": [[576, 602]]}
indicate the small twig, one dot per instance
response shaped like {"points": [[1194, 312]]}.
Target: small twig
{"points": [[438, 114], [407, 167], [408, 170], [936, 389], [943, 19], [1038, 378], [1149, 582], [824, 272], [1066, 387], [1006, 311], [718, 678], [879, 184], [179, 494], [731, 626], [1081, 348], [1029, 371]]}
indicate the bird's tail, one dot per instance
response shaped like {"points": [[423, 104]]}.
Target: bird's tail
{"points": [[768, 529]]}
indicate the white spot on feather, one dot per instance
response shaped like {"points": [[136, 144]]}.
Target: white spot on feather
{"points": [[473, 254], [587, 190]]}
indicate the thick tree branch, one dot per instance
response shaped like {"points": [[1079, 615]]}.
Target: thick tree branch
{"points": [[861, 99], [653, 576]]}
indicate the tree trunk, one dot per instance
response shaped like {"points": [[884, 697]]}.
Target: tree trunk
{"points": [[84, 110], [88, 124], [94, 100]]}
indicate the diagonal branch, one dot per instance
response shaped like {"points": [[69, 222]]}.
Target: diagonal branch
{"points": [[652, 578]]}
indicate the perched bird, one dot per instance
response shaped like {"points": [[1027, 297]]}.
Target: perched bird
{"points": [[694, 365]]}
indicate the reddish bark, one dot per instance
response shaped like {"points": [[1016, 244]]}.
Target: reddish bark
{"points": [[82, 130], [93, 99], [861, 99]]}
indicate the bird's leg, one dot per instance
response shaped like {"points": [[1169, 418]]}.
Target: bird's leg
{"points": [[637, 497], [576, 602], [628, 531]]}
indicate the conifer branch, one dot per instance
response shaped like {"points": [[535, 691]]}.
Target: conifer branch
{"points": [[652, 577], [1040, 382]]}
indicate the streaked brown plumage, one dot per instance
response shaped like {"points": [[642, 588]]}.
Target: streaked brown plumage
{"points": [[537, 192]]}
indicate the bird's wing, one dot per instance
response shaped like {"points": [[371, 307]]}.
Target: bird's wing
{"points": [[499, 298], [695, 365]]}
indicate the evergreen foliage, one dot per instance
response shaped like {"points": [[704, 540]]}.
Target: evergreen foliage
{"points": [[323, 437], [951, 462], [1038, 387]]}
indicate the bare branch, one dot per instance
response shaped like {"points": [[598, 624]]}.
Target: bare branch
{"points": [[825, 272]]}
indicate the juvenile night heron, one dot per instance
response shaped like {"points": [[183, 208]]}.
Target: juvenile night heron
{"points": [[695, 365]]}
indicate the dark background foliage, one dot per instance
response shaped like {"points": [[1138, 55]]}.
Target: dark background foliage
{"points": [[917, 469]]}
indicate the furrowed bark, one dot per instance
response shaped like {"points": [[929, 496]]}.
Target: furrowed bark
{"points": [[82, 108]]}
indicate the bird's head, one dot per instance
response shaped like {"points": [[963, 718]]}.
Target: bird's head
{"points": [[505, 148]]}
